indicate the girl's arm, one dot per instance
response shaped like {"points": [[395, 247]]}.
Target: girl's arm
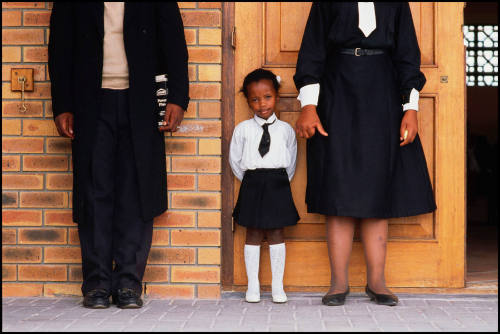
{"points": [[292, 149], [236, 153]]}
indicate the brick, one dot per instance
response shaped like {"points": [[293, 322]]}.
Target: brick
{"points": [[209, 109], [38, 72], [201, 18], [59, 181], [192, 73], [211, 291], [9, 199], [170, 291], [156, 274], [44, 200], [33, 127], [175, 219], [204, 91], [59, 218], [186, 4], [11, 54], [32, 272], [11, 18], [180, 146], [161, 237], [11, 127], [199, 129], [45, 163], [62, 255], [23, 36], [22, 145], [180, 182], [209, 147], [190, 36], [171, 256], [33, 109], [42, 91], [21, 217], [208, 255], [9, 272], [210, 36], [195, 201], [205, 54], [184, 274], [209, 72], [195, 238], [207, 4], [196, 164], [42, 236], [75, 273], [209, 219], [21, 289], [11, 163], [36, 54], [62, 289], [11, 4], [73, 238], [209, 182], [36, 18], [14, 254], [9, 236], [22, 181], [59, 145]]}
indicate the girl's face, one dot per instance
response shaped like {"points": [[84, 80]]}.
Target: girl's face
{"points": [[262, 98]]}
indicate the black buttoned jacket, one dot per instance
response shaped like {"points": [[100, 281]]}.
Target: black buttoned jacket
{"points": [[154, 42]]}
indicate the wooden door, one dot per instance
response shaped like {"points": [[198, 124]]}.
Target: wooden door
{"points": [[423, 251]]}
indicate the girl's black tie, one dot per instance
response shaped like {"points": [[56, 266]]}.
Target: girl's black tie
{"points": [[265, 141]]}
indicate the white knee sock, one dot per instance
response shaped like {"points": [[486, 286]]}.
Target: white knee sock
{"points": [[252, 259], [277, 253]]}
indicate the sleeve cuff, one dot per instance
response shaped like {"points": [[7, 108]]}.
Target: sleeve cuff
{"points": [[309, 95], [413, 101]]}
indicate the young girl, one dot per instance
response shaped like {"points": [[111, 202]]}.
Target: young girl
{"points": [[359, 62], [263, 156]]}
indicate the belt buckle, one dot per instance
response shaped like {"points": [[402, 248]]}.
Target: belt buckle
{"points": [[356, 52]]}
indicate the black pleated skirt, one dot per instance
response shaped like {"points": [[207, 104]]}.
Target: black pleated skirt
{"points": [[265, 200], [360, 170]]}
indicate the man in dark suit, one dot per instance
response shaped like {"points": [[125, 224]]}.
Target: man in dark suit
{"points": [[103, 59]]}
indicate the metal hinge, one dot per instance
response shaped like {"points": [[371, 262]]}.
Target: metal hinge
{"points": [[233, 38]]}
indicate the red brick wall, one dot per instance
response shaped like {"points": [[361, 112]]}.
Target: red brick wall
{"points": [[40, 247]]}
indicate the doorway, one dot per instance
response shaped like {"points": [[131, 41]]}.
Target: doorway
{"points": [[481, 39]]}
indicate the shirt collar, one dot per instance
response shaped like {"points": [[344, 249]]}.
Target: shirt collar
{"points": [[262, 121]]}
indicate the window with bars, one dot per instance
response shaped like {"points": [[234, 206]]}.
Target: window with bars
{"points": [[482, 54]]}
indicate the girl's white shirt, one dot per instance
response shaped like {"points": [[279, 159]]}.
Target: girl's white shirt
{"points": [[244, 148]]}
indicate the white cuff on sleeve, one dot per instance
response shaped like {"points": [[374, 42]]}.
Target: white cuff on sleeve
{"points": [[413, 103], [309, 95]]}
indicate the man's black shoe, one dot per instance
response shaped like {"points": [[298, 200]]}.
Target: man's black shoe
{"points": [[97, 298], [127, 298]]}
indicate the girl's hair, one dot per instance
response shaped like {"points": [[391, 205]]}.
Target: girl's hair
{"points": [[257, 75]]}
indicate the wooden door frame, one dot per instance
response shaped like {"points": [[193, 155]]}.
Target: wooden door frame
{"points": [[227, 179]]}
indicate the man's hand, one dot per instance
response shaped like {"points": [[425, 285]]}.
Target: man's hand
{"points": [[64, 124], [409, 124], [174, 115], [309, 122]]}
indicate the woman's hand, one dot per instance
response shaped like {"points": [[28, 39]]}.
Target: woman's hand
{"points": [[174, 115], [64, 125], [309, 122], [409, 125]]}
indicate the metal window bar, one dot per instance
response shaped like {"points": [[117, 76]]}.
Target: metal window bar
{"points": [[477, 50]]}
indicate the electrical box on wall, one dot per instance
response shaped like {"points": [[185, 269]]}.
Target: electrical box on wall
{"points": [[18, 75]]}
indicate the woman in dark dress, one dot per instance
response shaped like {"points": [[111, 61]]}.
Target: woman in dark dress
{"points": [[360, 64]]}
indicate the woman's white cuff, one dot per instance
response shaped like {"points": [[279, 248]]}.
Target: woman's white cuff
{"points": [[413, 103], [309, 95]]}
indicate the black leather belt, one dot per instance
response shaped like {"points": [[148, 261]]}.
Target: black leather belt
{"points": [[361, 52]]}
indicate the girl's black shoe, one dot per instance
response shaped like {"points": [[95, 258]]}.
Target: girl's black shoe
{"points": [[335, 299], [389, 300]]}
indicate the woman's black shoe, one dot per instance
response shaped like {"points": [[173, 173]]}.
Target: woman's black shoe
{"points": [[389, 300], [127, 298], [335, 299], [97, 298]]}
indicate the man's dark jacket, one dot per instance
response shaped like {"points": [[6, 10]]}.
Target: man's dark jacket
{"points": [[154, 41]]}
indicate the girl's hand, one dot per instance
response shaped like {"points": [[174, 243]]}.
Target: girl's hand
{"points": [[409, 124], [309, 122]]}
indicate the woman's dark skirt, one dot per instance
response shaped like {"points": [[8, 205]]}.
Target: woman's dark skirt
{"points": [[265, 200]]}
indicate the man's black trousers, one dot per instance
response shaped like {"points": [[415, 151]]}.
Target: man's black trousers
{"points": [[113, 229]]}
